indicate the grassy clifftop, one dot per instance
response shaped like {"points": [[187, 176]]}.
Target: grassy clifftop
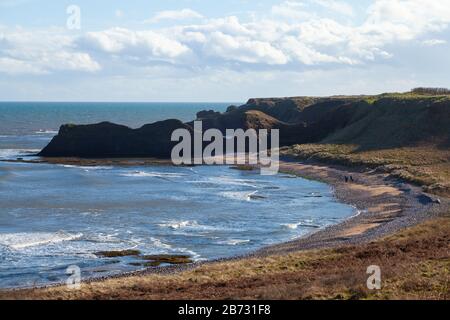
{"points": [[427, 166], [387, 120], [406, 135], [398, 121]]}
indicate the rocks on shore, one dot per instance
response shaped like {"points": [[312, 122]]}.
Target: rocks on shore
{"points": [[156, 260], [243, 167], [121, 253], [147, 260]]}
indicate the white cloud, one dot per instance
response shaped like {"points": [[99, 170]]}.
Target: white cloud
{"points": [[300, 52], [304, 9], [74, 61], [311, 41], [291, 35], [41, 52], [118, 13], [336, 6], [149, 44], [408, 18], [433, 42], [174, 15], [291, 10], [15, 67], [243, 49]]}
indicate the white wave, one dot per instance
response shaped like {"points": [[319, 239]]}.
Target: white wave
{"points": [[178, 198], [46, 131], [178, 224], [189, 225], [235, 181], [159, 244], [15, 153], [238, 195], [24, 240], [153, 174], [295, 226], [234, 242], [87, 168], [194, 255], [103, 238], [91, 212], [291, 225], [223, 181]]}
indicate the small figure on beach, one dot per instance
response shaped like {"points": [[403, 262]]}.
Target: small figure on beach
{"points": [[346, 179], [351, 179]]}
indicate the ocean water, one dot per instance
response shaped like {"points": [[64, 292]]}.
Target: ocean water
{"points": [[54, 216]]}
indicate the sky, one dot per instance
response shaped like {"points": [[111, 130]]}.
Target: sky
{"points": [[203, 50]]}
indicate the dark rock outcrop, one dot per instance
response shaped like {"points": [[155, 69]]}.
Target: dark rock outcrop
{"points": [[389, 120], [111, 140], [231, 108], [207, 114]]}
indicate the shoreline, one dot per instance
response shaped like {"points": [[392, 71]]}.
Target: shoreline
{"points": [[385, 206]]}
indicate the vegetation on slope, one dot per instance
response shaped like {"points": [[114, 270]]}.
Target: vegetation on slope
{"points": [[404, 134], [426, 166]]}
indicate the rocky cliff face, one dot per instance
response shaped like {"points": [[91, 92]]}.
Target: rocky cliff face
{"points": [[111, 140], [389, 120]]}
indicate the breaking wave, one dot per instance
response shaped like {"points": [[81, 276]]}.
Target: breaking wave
{"points": [[153, 174], [24, 240], [238, 195]]}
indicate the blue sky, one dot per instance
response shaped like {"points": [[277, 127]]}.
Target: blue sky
{"points": [[202, 50]]}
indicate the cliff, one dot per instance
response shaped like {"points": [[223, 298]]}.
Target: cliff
{"points": [[111, 140], [371, 122]]}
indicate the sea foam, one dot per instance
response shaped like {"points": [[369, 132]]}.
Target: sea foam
{"points": [[24, 240], [153, 174], [238, 195]]}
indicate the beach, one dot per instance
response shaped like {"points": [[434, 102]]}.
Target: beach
{"points": [[230, 151], [386, 207]]}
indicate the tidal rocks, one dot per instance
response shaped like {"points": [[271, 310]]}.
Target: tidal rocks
{"points": [[256, 197], [121, 253], [146, 260], [161, 259], [167, 258], [243, 167]]}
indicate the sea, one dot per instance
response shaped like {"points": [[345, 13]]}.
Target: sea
{"points": [[54, 216]]}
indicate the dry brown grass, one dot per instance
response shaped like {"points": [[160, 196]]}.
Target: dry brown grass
{"points": [[414, 264]]}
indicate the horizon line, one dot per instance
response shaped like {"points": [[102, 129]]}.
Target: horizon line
{"points": [[93, 101]]}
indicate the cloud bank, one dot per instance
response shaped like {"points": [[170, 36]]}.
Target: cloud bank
{"points": [[291, 37]]}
